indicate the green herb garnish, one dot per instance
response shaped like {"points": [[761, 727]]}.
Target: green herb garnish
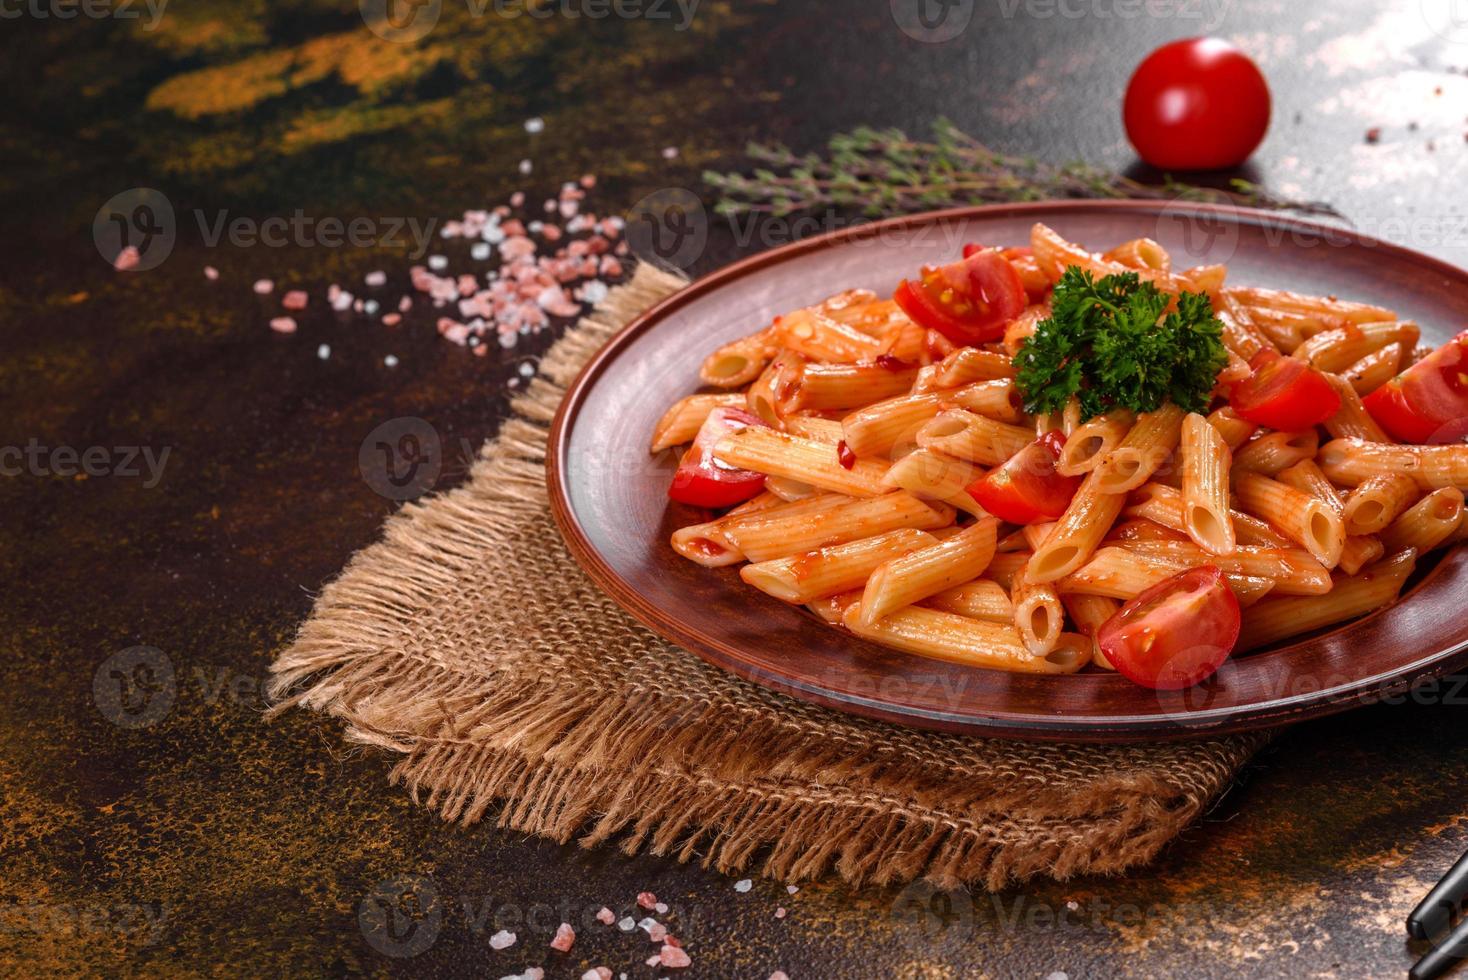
{"points": [[1108, 344]]}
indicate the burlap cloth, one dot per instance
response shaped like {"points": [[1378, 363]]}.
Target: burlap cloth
{"points": [[468, 642]]}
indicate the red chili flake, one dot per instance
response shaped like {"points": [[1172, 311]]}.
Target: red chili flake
{"points": [[844, 455], [892, 363], [1373, 135]]}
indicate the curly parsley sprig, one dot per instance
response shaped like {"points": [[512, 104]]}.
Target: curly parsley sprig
{"points": [[1108, 344]]}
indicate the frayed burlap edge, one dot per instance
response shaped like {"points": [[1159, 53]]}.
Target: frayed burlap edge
{"points": [[727, 782]]}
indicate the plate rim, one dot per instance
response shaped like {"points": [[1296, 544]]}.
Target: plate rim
{"points": [[1207, 723]]}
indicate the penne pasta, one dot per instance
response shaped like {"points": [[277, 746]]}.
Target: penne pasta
{"points": [[1351, 462], [1164, 505], [1241, 335], [1426, 525], [832, 608], [1374, 370], [1278, 619], [1235, 431], [737, 364], [1006, 565], [1336, 350], [1145, 449], [681, 423], [769, 397], [932, 476], [1306, 477], [1122, 574], [981, 599], [1206, 462], [1293, 571], [1038, 616], [967, 365], [1093, 441], [780, 534], [912, 578], [780, 454], [1090, 613], [997, 400], [1351, 420], [965, 435], [1080, 529], [835, 387], [876, 429], [817, 574], [821, 338], [1141, 253], [972, 642], [1277, 299], [815, 428], [1276, 451], [1378, 501], [1300, 517]]}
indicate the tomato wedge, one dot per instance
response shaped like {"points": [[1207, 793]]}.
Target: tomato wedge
{"points": [[968, 301], [1284, 393], [1175, 634], [1427, 403], [1027, 490], [701, 479]]}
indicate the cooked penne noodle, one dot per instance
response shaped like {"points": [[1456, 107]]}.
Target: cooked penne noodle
{"points": [[981, 599], [1360, 551], [1303, 519], [972, 437], [1006, 566], [1164, 504], [876, 429], [780, 534], [1123, 574], [1374, 370], [805, 460], [1070, 417], [1336, 350], [1035, 534], [1351, 462], [1235, 431], [1079, 530], [1277, 299], [972, 642], [769, 396], [832, 387], [1352, 421], [1038, 616], [1293, 571], [1145, 449], [907, 343], [913, 578], [1141, 253], [816, 428], [1279, 619], [1426, 525], [1203, 279], [1378, 501], [1054, 254], [1357, 551], [970, 364], [681, 423], [1241, 335], [1023, 327], [936, 346], [737, 364], [821, 338], [827, 571], [1092, 441], [832, 608], [780, 487], [1142, 529], [1206, 461], [998, 400], [706, 545], [1089, 613], [1275, 451], [933, 476]]}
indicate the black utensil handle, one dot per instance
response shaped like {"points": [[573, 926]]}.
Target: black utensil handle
{"points": [[1437, 908], [1452, 950]]}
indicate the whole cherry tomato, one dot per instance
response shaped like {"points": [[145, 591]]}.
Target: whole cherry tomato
{"points": [[1199, 104]]}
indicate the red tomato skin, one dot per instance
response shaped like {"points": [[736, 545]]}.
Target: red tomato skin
{"points": [[984, 276], [1306, 400], [1027, 490], [1427, 403], [1166, 639], [1196, 104], [700, 481]]}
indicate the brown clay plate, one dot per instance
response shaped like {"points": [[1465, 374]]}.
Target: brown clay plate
{"points": [[609, 495]]}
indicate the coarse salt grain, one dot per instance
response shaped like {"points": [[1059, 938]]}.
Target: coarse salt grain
{"points": [[324, 351], [391, 319], [670, 153], [661, 907], [672, 956], [534, 124], [479, 252], [654, 960], [375, 278], [779, 975], [127, 259], [780, 912], [743, 885], [438, 263], [283, 324], [526, 166], [263, 286], [655, 930], [647, 899], [296, 299], [627, 923], [390, 360], [606, 916], [791, 889], [565, 936], [342, 302], [503, 939], [597, 973], [211, 273]]}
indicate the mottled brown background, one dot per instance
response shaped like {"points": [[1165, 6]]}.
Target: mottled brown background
{"points": [[255, 842]]}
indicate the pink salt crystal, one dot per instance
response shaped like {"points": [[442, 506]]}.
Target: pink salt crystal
{"points": [[264, 286], [503, 939], [568, 209], [606, 916], [127, 259], [577, 249], [405, 304], [517, 199], [588, 181], [661, 908], [375, 278], [283, 324], [792, 889], [598, 245], [623, 248], [481, 351], [780, 912], [551, 233], [503, 211], [211, 273], [514, 228], [670, 153], [597, 973], [779, 975], [391, 319], [515, 248], [610, 266], [296, 299], [587, 268], [654, 960], [672, 956], [550, 205], [565, 936]]}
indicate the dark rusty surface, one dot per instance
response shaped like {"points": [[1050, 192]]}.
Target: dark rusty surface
{"points": [[252, 846]]}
